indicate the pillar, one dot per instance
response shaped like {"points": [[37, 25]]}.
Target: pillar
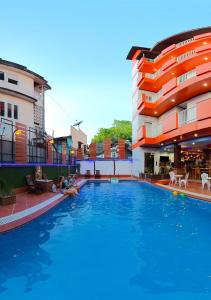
{"points": [[20, 143], [93, 151], [121, 148], [107, 148], [177, 156], [64, 154]]}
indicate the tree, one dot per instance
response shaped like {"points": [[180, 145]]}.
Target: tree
{"points": [[120, 129]]}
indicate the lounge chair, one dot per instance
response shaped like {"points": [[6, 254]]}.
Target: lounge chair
{"points": [[87, 174], [97, 174], [184, 181], [205, 180]]}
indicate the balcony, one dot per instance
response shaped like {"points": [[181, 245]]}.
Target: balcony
{"points": [[179, 89], [178, 57], [178, 126], [187, 116]]}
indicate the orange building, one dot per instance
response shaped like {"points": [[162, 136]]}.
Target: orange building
{"points": [[172, 102]]}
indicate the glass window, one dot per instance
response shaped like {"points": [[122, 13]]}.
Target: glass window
{"points": [[2, 109], [1, 75], [13, 81], [9, 110], [15, 112]]}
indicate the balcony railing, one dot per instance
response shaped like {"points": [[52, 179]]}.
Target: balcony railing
{"points": [[153, 131], [186, 76], [185, 42], [154, 98], [185, 55], [187, 116]]}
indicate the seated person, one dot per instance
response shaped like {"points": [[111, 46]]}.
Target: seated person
{"points": [[72, 191], [62, 183]]}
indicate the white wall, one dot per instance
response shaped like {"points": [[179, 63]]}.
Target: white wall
{"points": [[86, 165], [106, 167], [123, 167]]}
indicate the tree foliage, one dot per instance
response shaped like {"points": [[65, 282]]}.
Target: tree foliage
{"points": [[120, 129]]}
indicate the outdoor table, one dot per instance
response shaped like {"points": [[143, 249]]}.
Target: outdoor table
{"points": [[45, 185], [178, 176]]}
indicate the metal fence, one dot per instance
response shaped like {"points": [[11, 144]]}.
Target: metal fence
{"points": [[37, 145]]}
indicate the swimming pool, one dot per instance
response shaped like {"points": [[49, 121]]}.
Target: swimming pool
{"points": [[122, 241]]}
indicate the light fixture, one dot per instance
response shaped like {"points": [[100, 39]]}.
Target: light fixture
{"points": [[19, 132], [155, 70], [172, 73], [175, 140], [172, 100], [206, 58], [161, 144], [193, 143], [195, 134], [51, 141], [205, 43], [205, 84], [155, 112]]}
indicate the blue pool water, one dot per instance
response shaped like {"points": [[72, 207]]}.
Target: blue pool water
{"points": [[123, 241]]}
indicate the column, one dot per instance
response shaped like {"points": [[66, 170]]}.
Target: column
{"points": [[92, 151], [107, 148], [177, 156], [20, 136], [121, 148]]}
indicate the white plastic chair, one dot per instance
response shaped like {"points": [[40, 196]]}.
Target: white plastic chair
{"points": [[172, 177], [184, 181], [205, 181]]}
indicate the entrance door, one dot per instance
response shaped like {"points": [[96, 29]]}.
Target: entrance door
{"points": [[149, 162]]}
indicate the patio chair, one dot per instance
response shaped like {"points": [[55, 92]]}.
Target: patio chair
{"points": [[184, 181], [172, 177], [205, 180], [97, 174], [32, 186], [87, 174]]}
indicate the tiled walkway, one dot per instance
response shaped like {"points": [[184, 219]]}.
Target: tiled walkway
{"points": [[27, 207], [194, 189]]}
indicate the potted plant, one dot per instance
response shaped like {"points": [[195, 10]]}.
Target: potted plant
{"points": [[7, 194]]}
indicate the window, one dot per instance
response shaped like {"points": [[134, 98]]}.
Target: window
{"points": [[15, 112], [9, 110], [1, 75], [13, 81], [2, 109]]}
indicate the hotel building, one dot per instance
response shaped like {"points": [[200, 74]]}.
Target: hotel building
{"points": [[171, 102]]}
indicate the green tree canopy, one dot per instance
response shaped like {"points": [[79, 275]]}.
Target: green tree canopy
{"points": [[120, 129]]}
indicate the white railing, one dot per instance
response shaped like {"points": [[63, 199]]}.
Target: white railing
{"points": [[155, 97], [186, 76], [184, 55], [153, 130], [149, 75], [187, 116], [154, 75], [185, 42]]}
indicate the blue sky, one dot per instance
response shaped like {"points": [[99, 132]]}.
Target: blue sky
{"points": [[80, 48]]}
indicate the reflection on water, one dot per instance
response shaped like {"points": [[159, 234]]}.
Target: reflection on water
{"points": [[22, 254], [162, 243]]}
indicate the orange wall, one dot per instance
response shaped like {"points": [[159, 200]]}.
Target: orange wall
{"points": [[170, 123], [169, 86], [204, 109], [202, 69]]}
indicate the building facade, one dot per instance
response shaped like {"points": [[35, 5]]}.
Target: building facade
{"points": [[171, 86], [22, 95], [22, 114]]}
